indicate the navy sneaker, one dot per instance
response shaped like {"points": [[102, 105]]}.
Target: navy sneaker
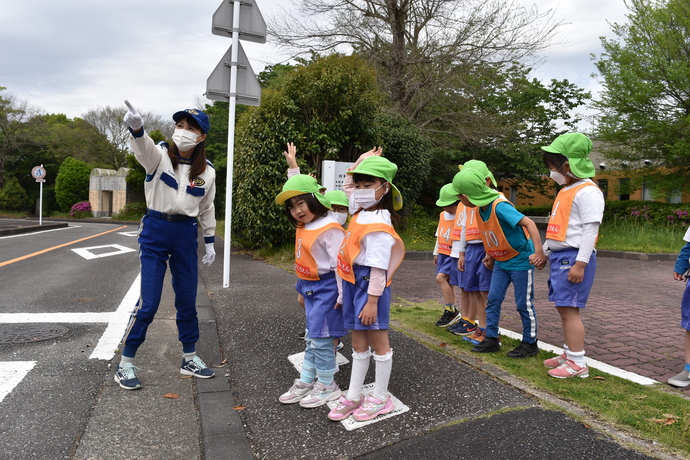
{"points": [[126, 377], [196, 368], [463, 327], [449, 317]]}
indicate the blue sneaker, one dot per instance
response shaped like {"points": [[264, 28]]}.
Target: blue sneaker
{"points": [[126, 377], [196, 368], [463, 327]]}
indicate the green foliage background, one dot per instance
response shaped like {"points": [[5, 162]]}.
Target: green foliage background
{"points": [[72, 183], [331, 109]]}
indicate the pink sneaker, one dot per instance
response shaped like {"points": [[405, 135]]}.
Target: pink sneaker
{"points": [[569, 369], [372, 407], [344, 408], [555, 362]]}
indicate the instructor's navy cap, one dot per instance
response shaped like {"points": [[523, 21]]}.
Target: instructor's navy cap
{"points": [[198, 115]]}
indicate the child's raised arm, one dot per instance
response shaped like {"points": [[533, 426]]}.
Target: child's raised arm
{"points": [[291, 155]]}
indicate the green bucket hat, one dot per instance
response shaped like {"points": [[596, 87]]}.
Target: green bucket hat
{"points": [[481, 167], [472, 184], [338, 198], [575, 147], [383, 169], [447, 196], [301, 184]]}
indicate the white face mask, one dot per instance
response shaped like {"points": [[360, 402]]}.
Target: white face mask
{"points": [[185, 140], [365, 198], [558, 178], [340, 217]]}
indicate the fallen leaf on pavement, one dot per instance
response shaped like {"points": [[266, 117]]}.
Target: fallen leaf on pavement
{"points": [[239, 407], [171, 395]]}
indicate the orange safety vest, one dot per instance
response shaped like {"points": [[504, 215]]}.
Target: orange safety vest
{"points": [[495, 242], [444, 234], [471, 227], [560, 212], [350, 248], [305, 264]]}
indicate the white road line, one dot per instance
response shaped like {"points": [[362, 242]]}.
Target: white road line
{"points": [[16, 318], [593, 363], [110, 340], [11, 373], [42, 231], [87, 253], [117, 321]]}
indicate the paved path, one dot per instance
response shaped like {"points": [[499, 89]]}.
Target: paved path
{"points": [[632, 320]]}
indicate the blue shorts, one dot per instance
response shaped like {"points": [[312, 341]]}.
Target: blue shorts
{"points": [[320, 297], [448, 265], [561, 291], [476, 276], [685, 309], [355, 297]]}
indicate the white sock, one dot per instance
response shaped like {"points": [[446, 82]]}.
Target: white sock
{"points": [[360, 366], [189, 356], [384, 365], [578, 357], [126, 360]]}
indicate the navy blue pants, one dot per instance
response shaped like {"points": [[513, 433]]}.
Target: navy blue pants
{"points": [[163, 243]]}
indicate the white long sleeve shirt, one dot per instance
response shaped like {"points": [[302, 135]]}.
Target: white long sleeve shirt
{"points": [[170, 190]]}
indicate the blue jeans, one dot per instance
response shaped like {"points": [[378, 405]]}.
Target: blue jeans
{"points": [[523, 285], [319, 360]]}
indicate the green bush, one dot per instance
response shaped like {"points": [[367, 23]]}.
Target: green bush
{"points": [[131, 211], [72, 183], [13, 197], [648, 213]]}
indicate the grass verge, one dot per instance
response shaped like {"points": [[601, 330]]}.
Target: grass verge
{"points": [[645, 412]]}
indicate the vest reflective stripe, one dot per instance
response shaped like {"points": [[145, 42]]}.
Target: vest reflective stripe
{"points": [[560, 212], [305, 264], [495, 242], [444, 231], [351, 246]]}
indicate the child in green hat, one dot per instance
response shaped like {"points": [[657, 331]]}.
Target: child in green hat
{"points": [[503, 235], [317, 242], [446, 265], [570, 239], [369, 255]]}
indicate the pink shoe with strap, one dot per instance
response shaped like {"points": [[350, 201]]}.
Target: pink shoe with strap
{"points": [[569, 369]]}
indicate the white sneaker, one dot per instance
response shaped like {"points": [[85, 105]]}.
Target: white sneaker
{"points": [[320, 395], [681, 380], [297, 391]]}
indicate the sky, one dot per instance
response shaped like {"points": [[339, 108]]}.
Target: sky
{"points": [[73, 56]]}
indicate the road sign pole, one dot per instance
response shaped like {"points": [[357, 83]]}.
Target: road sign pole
{"points": [[231, 141]]}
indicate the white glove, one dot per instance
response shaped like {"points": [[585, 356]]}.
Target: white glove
{"points": [[210, 255], [132, 118]]}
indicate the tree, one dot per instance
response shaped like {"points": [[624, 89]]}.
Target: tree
{"points": [[109, 123], [15, 125], [13, 196], [72, 183], [420, 48], [645, 103]]}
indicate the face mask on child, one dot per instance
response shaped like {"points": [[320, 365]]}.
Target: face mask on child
{"points": [[365, 198], [558, 178], [184, 140], [340, 217]]}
